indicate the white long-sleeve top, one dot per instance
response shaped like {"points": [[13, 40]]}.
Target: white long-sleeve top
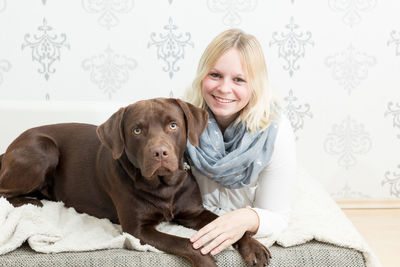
{"points": [[269, 196]]}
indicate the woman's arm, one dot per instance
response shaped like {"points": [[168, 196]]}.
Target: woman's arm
{"points": [[276, 182]]}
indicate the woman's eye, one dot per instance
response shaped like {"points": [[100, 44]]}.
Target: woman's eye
{"points": [[173, 125], [215, 75], [239, 80], [137, 131]]}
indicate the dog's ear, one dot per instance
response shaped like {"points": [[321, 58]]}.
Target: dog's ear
{"points": [[111, 133], [196, 120]]}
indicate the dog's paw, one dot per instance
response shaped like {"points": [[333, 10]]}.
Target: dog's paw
{"points": [[253, 252]]}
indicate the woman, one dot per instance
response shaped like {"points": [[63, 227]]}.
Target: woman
{"points": [[245, 162]]}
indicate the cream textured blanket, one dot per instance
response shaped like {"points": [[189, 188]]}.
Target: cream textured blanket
{"points": [[55, 228]]}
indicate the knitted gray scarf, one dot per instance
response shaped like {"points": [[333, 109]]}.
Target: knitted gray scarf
{"points": [[233, 159]]}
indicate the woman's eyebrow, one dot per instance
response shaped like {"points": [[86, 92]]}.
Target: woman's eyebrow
{"points": [[214, 70], [236, 74]]}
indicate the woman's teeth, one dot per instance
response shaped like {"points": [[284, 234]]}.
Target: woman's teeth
{"points": [[223, 100]]}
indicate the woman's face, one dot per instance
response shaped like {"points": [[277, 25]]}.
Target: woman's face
{"points": [[225, 88]]}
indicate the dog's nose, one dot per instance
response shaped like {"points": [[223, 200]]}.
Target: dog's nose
{"points": [[160, 153]]}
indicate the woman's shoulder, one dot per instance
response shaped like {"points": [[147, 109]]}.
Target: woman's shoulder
{"points": [[284, 152], [284, 122], [285, 135]]}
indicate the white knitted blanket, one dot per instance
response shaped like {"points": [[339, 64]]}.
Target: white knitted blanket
{"points": [[55, 228]]}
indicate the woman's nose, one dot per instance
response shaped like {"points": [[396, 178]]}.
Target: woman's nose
{"points": [[224, 86]]}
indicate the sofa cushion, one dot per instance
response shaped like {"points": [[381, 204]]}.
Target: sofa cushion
{"points": [[309, 254]]}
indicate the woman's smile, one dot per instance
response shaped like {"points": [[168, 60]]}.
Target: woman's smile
{"points": [[223, 100]]}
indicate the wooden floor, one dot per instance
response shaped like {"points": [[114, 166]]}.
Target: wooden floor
{"points": [[380, 227]]}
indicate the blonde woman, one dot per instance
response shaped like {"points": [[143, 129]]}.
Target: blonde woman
{"points": [[246, 159]]}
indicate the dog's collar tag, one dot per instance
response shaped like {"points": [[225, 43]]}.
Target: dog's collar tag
{"points": [[186, 166]]}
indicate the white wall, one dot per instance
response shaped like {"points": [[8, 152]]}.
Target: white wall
{"points": [[335, 64]]}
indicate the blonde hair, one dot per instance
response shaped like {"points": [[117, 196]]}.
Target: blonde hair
{"points": [[262, 107]]}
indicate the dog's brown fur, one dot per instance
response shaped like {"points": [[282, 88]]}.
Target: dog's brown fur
{"points": [[129, 170]]}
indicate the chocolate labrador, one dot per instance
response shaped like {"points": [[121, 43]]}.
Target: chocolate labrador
{"points": [[129, 169]]}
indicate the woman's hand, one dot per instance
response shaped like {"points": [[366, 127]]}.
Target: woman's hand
{"points": [[225, 230]]}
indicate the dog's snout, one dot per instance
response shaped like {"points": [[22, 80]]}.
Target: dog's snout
{"points": [[160, 153]]}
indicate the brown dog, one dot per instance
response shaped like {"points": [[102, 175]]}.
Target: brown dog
{"points": [[129, 170]]}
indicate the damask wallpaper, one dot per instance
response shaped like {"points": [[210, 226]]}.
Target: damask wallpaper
{"points": [[334, 63]]}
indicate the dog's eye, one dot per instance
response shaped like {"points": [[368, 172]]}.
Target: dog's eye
{"points": [[173, 125], [137, 131]]}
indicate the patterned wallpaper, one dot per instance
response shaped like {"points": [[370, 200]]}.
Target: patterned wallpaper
{"points": [[334, 63]]}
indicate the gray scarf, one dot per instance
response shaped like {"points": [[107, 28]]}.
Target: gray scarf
{"points": [[233, 159]]}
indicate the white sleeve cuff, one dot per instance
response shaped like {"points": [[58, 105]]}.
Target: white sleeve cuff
{"points": [[270, 222]]}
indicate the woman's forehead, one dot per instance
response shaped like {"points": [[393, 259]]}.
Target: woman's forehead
{"points": [[231, 61]]}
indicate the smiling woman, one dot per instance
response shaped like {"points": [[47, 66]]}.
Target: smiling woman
{"points": [[245, 163]]}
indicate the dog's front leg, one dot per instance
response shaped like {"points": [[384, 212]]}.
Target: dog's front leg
{"points": [[142, 225], [174, 245], [195, 220]]}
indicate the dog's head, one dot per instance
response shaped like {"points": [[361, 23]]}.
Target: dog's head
{"points": [[153, 134]]}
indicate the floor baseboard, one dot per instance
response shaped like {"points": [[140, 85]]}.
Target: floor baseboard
{"points": [[368, 203]]}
